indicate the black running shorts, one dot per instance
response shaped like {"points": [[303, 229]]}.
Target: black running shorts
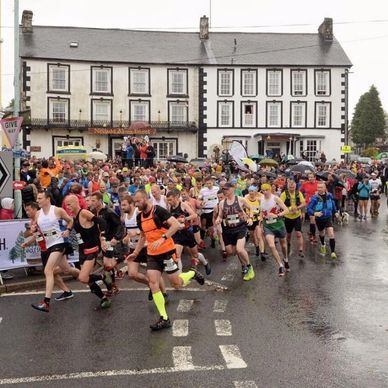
{"points": [[164, 262], [323, 224], [293, 224], [231, 236]]}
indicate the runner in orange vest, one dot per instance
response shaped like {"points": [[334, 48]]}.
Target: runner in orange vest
{"points": [[157, 226]]}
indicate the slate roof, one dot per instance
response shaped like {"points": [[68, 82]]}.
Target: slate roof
{"points": [[160, 47]]}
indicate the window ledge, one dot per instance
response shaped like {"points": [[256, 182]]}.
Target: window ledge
{"points": [[177, 96], [58, 92], [139, 95], [101, 94]]}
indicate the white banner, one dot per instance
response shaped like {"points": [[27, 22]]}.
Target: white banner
{"points": [[12, 255]]}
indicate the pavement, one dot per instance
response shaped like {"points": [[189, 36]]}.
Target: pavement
{"points": [[323, 325]]}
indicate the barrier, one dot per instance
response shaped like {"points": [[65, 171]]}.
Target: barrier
{"points": [[12, 255]]}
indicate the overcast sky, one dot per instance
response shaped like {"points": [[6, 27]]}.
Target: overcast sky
{"points": [[361, 27]]}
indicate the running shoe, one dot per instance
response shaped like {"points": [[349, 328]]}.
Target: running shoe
{"points": [[208, 269], [105, 303], [161, 324], [250, 274], [41, 306], [322, 250], [301, 254], [198, 276], [282, 271], [65, 295], [286, 265], [333, 255], [244, 270], [264, 256]]}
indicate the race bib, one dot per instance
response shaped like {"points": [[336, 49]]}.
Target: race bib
{"points": [[79, 238], [170, 265]]}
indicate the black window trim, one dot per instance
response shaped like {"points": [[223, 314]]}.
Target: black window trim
{"points": [[49, 89], [174, 95], [218, 113], [305, 86], [148, 93], [100, 67], [305, 113], [101, 100], [218, 82], [242, 103], [58, 98], [315, 82], [139, 100], [248, 70], [267, 111], [267, 84], [316, 117]]}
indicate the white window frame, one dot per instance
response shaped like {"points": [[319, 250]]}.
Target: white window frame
{"points": [[96, 86], [65, 70], [96, 115], [54, 104], [248, 120], [178, 119], [137, 86], [176, 87], [225, 114], [270, 116], [320, 107], [322, 83], [294, 107], [298, 82], [135, 109], [274, 83], [225, 83], [248, 89], [164, 148]]}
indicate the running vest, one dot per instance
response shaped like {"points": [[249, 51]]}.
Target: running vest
{"points": [[287, 201], [270, 206], [255, 206], [153, 233], [86, 237], [162, 201], [133, 229], [233, 215], [50, 227], [180, 215]]}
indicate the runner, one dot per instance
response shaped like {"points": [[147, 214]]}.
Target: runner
{"points": [[157, 226], [184, 237], [253, 198], [48, 220], [322, 207], [308, 189], [376, 189], [295, 202], [234, 228], [157, 198], [363, 188], [88, 228], [130, 213], [272, 211]]}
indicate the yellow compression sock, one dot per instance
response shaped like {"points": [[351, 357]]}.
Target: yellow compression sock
{"points": [[186, 277], [160, 304]]}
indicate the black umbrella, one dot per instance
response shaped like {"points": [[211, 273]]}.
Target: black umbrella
{"points": [[177, 159], [347, 173], [294, 161], [322, 175], [301, 169], [268, 174]]}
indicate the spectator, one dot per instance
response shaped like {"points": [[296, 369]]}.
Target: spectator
{"points": [[7, 209]]}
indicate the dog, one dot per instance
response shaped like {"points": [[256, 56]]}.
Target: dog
{"points": [[342, 218]]}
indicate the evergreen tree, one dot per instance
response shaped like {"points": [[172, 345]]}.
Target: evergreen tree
{"points": [[368, 119]]}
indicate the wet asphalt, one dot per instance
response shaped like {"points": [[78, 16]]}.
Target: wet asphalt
{"points": [[324, 325]]}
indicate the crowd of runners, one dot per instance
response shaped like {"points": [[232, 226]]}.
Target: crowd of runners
{"points": [[142, 221]]}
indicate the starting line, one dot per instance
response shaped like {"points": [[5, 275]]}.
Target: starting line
{"points": [[182, 363]]}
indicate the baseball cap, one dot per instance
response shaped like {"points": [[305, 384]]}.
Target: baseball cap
{"points": [[118, 171], [105, 174], [252, 188], [125, 169], [266, 186]]}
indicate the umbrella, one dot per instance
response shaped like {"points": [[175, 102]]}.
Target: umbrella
{"points": [[177, 159], [301, 169], [306, 163], [322, 175], [97, 155], [268, 174], [199, 163], [347, 173], [257, 157], [250, 163], [294, 161], [268, 162], [71, 152]]}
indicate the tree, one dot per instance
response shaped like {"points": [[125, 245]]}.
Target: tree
{"points": [[368, 119]]}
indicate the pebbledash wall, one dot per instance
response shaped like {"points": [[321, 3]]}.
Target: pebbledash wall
{"points": [[328, 139], [80, 105]]}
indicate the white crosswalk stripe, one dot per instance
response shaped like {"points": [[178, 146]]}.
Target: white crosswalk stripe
{"points": [[182, 358], [232, 357], [223, 327], [244, 384], [228, 277], [220, 305], [180, 328], [185, 305]]}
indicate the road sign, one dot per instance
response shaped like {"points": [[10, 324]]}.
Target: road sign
{"points": [[18, 185], [6, 167], [346, 149], [11, 127]]}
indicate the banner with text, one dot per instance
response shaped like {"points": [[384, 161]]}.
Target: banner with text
{"points": [[12, 255]]}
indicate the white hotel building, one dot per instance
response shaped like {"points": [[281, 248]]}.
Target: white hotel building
{"points": [[281, 92]]}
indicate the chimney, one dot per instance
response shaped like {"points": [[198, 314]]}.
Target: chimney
{"points": [[27, 21], [326, 29], [204, 28]]}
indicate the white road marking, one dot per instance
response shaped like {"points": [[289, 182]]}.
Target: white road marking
{"points": [[244, 384], [223, 327], [182, 358], [88, 291], [180, 328], [1, 319], [233, 266], [185, 305], [228, 277], [220, 305], [232, 357]]}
